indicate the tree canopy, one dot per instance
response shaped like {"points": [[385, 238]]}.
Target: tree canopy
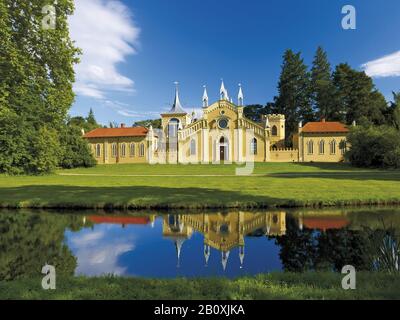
{"points": [[36, 87]]}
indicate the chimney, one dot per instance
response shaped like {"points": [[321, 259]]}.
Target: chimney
{"points": [[122, 125]]}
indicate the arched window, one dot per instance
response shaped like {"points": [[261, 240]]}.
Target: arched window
{"points": [[193, 147], [253, 146], [141, 150], [343, 147], [274, 131], [332, 146], [132, 150], [173, 127], [98, 150], [123, 150], [114, 150], [310, 147], [322, 147]]}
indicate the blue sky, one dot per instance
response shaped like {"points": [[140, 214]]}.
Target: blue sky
{"points": [[133, 51]]}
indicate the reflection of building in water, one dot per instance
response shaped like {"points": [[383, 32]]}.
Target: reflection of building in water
{"points": [[123, 221], [335, 220], [175, 229], [223, 231]]}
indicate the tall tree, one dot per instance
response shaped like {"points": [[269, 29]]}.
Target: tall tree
{"points": [[396, 110], [357, 98], [91, 121], [323, 91], [36, 78], [294, 99]]}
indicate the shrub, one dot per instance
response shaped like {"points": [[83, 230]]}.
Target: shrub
{"points": [[76, 151], [377, 147]]}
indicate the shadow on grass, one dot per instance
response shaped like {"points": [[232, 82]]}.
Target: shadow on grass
{"points": [[136, 197], [347, 173]]}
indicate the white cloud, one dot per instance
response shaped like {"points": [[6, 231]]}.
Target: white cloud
{"points": [[88, 238], [107, 34], [125, 110], [387, 66], [98, 251]]}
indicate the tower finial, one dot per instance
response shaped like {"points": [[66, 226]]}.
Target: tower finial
{"points": [[207, 253], [240, 96], [205, 97], [223, 92], [224, 259], [241, 256], [177, 106]]}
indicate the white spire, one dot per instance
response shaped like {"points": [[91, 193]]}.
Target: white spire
{"points": [[266, 122], [241, 256], [224, 260], [205, 97], [223, 92], [207, 253], [177, 107], [240, 96], [178, 246]]}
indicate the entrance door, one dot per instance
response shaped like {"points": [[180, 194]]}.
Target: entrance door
{"points": [[223, 149], [222, 153]]}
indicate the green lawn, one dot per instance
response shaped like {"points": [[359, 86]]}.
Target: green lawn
{"points": [[268, 286], [202, 186]]}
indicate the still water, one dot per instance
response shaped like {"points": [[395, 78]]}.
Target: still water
{"points": [[220, 243]]}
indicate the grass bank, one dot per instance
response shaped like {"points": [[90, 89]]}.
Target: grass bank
{"points": [[269, 286], [202, 187]]}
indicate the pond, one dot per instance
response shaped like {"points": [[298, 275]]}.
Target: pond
{"points": [[181, 244]]}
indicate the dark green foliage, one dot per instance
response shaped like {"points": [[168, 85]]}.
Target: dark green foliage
{"points": [[29, 241], [294, 99], [393, 114], [87, 124], [147, 123], [76, 151], [357, 98], [298, 251], [323, 91], [36, 85], [254, 112], [91, 121], [374, 147]]}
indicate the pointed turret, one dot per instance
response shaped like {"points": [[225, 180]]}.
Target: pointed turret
{"points": [[241, 256], [177, 107], [240, 96], [178, 246], [207, 253], [205, 97], [223, 92], [224, 259]]}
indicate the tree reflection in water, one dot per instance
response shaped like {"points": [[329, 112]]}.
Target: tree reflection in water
{"points": [[304, 249], [316, 241], [29, 241]]}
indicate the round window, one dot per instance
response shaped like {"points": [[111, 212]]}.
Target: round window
{"points": [[223, 123]]}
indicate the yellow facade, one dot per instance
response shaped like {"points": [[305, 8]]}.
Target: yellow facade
{"points": [[119, 150], [222, 134], [323, 147]]}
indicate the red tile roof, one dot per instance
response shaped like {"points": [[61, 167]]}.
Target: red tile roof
{"points": [[325, 223], [119, 220], [312, 127], [117, 132]]}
